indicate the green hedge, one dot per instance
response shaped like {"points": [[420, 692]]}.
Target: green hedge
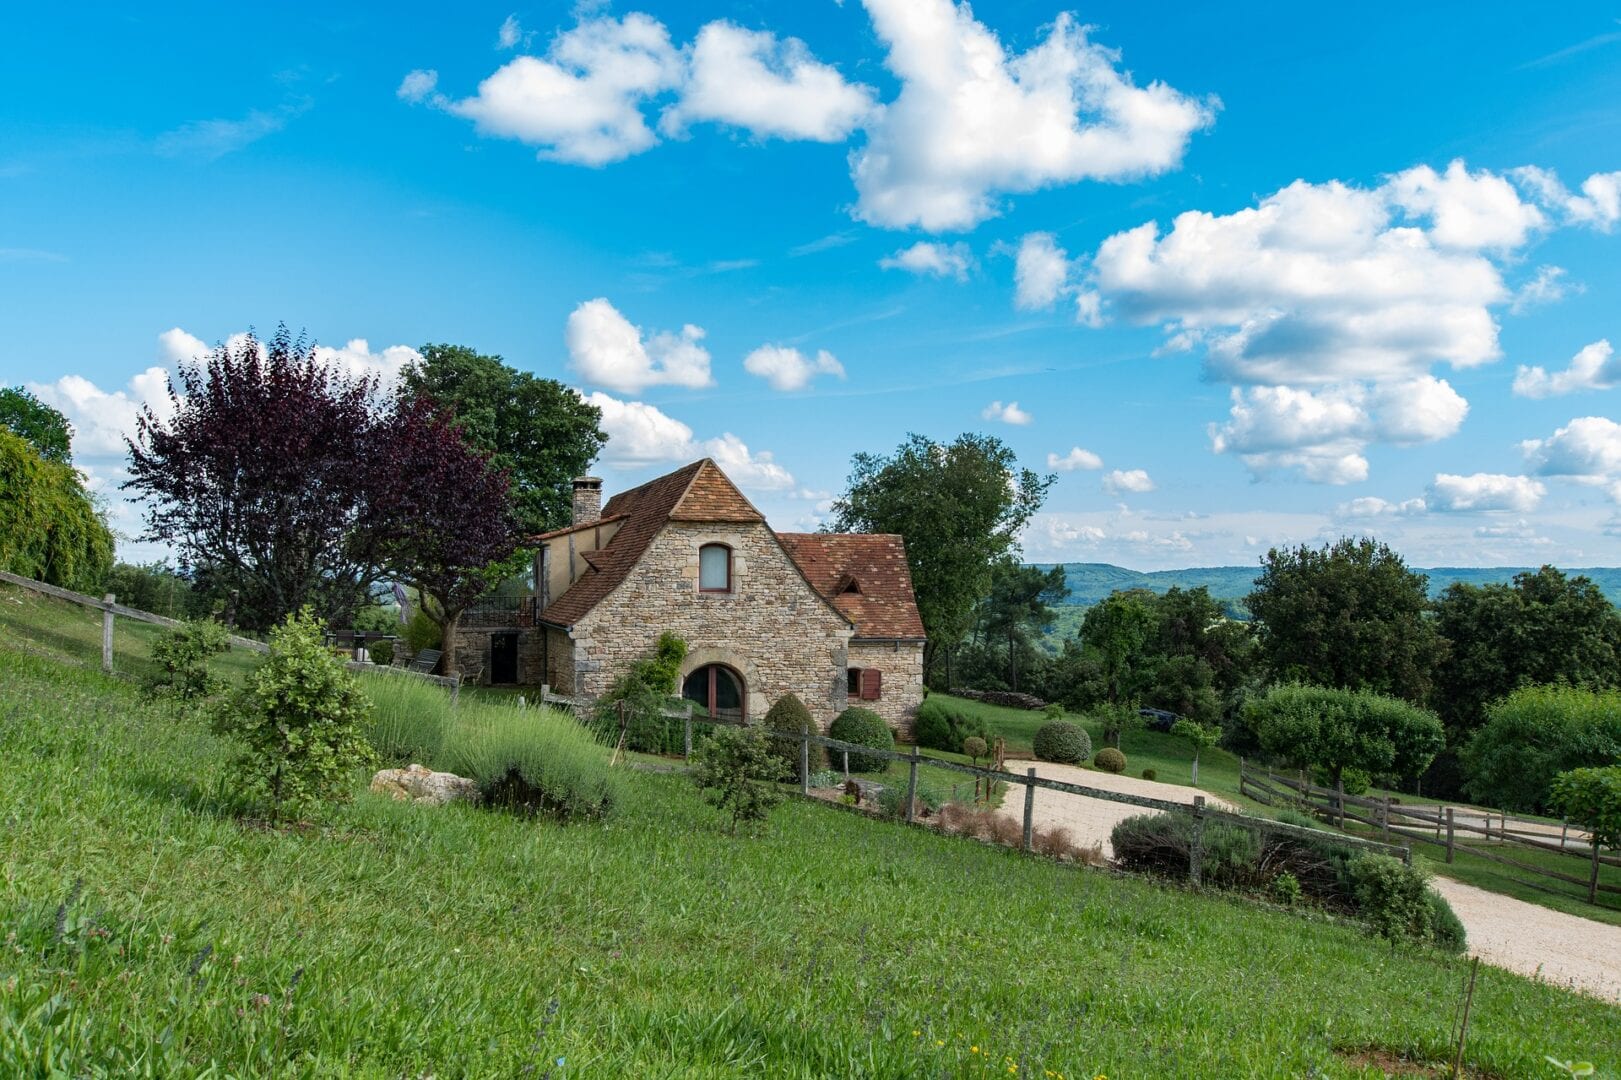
{"points": [[864, 728], [1063, 742], [942, 726]]}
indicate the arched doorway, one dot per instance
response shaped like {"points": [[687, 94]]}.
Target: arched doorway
{"points": [[719, 690]]}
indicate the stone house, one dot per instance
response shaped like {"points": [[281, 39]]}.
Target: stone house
{"points": [[830, 617]]}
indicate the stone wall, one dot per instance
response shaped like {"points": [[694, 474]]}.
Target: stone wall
{"points": [[772, 628], [902, 689]]}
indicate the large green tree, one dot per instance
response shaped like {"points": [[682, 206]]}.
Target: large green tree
{"points": [[538, 431], [50, 528], [1349, 615], [1337, 730], [37, 424], [1544, 628], [1018, 609], [960, 506]]}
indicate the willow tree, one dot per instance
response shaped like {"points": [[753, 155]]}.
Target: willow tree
{"points": [[50, 528]]}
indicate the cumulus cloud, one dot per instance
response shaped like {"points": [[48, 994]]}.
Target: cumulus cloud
{"points": [[100, 418], [357, 359], [1587, 450], [972, 122], [1074, 461], [417, 85], [1122, 480], [640, 434], [936, 260], [1009, 413], [1595, 367], [1451, 493], [750, 79], [1598, 205], [1040, 272], [1372, 506], [1323, 434], [582, 103], [606, 349], [175, 346], [789, 369], [1465, 210]]}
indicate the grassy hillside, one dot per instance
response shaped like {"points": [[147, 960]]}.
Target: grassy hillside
{"points": [[149, 934], [1092, 582]]}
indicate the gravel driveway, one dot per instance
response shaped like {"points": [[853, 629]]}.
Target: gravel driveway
{"points": [[1565, 950]]}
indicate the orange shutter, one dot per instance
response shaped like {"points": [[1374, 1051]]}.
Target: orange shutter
{"points": [[872, 684]]}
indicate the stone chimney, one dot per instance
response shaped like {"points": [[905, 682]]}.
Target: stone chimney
{"points": [[587, 499]]}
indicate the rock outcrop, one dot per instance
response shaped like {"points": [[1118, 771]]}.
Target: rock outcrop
{"points": [[422, 785]]}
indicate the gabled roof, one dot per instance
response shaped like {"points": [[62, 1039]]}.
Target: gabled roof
{"points": [[882, 605], [696, 492]]}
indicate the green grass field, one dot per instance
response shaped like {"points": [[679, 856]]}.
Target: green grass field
{"points": [[147, 933]]}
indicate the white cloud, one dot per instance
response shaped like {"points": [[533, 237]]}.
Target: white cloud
{"points": [[1006, 414], [175, 346], [1484, 491], [1121, 480], [937, 260], [1074, 461], [102, 419], [749, 79], [1466, 210], [1595, 367], [582, 103], [1588, 450], [972, 122], [640, 434], [1319, 283], [417, 85], [1547, 287], [210, 140], [1040, 272], [1372, 506], [1599, 204], [1323, 434], [356, 359], [789, 369], [606, 349], [511, 34]]}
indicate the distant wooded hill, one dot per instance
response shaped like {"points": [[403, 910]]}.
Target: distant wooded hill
{"points": [[1091, 582]]}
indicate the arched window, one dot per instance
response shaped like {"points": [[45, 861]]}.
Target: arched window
{"points": [[715, 568], [718, 689]]}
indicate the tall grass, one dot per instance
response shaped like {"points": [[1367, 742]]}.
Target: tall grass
{"points": [[530, 760]]}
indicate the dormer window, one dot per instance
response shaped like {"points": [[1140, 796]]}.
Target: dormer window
{"points": [[849, 586], [715, 568]]}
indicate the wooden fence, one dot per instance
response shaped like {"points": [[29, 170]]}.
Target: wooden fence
{"points": [[110, 609], [1198, 811], [1447, 827]]}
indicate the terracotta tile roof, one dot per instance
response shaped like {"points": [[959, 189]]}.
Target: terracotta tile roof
{"points": [[836, 564], [541, 538], [696, 492]]}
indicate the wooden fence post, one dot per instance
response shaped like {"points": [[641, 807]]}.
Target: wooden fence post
{"points": [[1029, 811], [1449, 834], [455, 691], [1384, 820], [1339, 800], [911, 787], [107, 634], [1407, 854], [1564, 833], [686, 738], [1592, 882], [1196, 847], [846, 766], [804, 756]]}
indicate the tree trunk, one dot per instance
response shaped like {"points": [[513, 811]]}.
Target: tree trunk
{"points": [[447, 629]]}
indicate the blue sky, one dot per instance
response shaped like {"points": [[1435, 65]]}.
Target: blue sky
{"points": [[1248, 277]]}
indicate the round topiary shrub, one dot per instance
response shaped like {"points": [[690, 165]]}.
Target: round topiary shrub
{"points": [[975, 747], [864, 728], [1063, 742], [786, 718], [1110, 760], [1150, 774]]}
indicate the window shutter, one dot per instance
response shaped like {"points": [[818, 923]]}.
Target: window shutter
{"points": [[872, 684]]}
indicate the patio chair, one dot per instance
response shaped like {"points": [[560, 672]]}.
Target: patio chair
{"points": [[425, 661]]}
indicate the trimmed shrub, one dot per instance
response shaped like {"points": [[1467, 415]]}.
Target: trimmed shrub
{"points": [[1592, 799], [1446, 929], [1390, 897], [738, 774], [1063, 742], [382, 651], [1535, 734], [1110, 760], [182, 658], [941, 726], [864, 728], [1150, 774], [1161, 843], [789, 714], [975, 747], [301, 717], [533, 761], [410, 718]]}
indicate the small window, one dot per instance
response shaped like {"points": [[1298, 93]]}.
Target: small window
{"points": [[864, 684], [850, 587], [715, 568], [853, 682]]}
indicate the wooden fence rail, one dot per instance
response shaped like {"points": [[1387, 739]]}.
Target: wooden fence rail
{"points": [[1441, 826], [1199, 812], [111, 609]]}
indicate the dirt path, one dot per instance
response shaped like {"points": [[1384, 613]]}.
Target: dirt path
{"points": [[1565, 950]]}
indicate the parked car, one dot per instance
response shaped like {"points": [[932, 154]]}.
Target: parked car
{"points": [[1157, 719]]}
